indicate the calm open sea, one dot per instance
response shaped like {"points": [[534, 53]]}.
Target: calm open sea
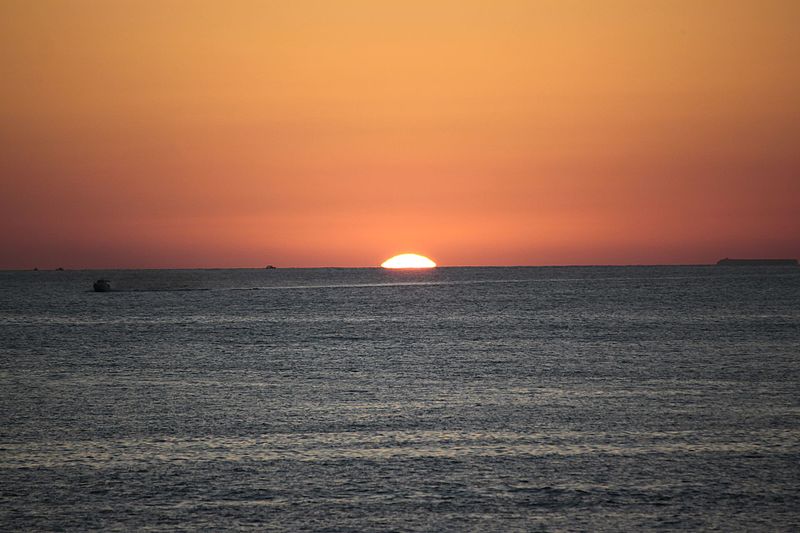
{"points": [[492, 399]]}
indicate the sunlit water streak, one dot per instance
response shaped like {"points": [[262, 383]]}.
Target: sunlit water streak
{"points": [[624, 398]]}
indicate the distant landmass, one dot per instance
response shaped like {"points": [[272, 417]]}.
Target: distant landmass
{"points": [[757, 262]]}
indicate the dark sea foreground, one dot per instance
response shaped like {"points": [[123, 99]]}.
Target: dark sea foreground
{"points": [[491, 399]]}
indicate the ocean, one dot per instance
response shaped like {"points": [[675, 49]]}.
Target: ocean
{"points": [[453, 399]]}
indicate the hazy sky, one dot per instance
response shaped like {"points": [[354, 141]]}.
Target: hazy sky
{"points": [[310, 133]]}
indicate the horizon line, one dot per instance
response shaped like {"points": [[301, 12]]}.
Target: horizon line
{"points": [[377, 267]]}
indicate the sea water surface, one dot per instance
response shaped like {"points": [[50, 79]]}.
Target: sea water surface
{"points": [[454, 399]]}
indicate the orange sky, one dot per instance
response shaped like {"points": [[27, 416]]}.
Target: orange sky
{"points": [[337, 133]]}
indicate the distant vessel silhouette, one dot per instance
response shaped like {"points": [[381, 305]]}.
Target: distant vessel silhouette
{"points": [[102, 285], [757, 262], [269, 267]]}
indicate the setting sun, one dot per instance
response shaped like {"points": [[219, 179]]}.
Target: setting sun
{"points": [[408, 261]]}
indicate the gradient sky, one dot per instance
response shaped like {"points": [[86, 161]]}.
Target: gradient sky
{"points": [[338, 133]]}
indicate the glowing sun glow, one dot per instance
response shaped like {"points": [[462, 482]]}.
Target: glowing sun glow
{"points": [[408, 261]]}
